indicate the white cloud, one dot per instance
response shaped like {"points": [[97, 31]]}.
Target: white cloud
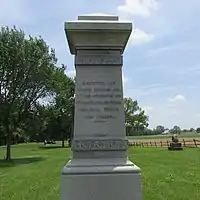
{"points": [[124, 78], [71, 73], [138, 36], [177, 99], [138, 7]]}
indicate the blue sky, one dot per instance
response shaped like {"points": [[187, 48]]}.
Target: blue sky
{"points": [[161, 62]]}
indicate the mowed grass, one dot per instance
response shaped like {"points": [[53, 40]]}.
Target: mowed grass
{"points": [[35, 173]]}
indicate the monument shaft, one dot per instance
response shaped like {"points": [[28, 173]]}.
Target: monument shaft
{"points": [[99, 97], [99, 111], [99, 162]]}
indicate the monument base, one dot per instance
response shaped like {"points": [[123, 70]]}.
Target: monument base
{"points": [[101, 179], [175, 146]]}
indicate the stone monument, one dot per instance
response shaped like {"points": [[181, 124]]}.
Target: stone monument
{"points": [[175, 144], [99, 168]]}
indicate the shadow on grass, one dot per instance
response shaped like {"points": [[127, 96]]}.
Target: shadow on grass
{"points": [[20, 161], [52, 147]]}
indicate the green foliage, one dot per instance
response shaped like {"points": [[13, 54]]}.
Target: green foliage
{"points": [[176, 130], [135, 119], [28, 74], [62, 109], [159, 129], [191, 130], [198, 130]]}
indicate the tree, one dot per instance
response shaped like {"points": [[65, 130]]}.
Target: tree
{"points": [[176, 129], [54, 120], [160, 129], [34, 126], [135, 118], [198, 130], [191, 130], [26, 68], [148, 131], [62, 107]]}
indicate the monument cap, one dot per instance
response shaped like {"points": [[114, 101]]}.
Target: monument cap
{"points": [[98, 17]]}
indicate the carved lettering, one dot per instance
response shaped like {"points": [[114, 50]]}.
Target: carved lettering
{"points": [[91, 83], [98, 60], [91, 102], [98, 101], [92, 145], [89, 110], [111, 109]]}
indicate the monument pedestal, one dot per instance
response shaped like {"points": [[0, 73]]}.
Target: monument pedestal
{"points": [[175, 146], [99, 168], [97, 179]]}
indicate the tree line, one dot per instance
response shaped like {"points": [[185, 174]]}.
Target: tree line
{"points": [[36, 95], [160, 129]]}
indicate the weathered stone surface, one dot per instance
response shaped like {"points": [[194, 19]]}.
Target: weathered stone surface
{"points": [[99, 17], [99, 162], [104, 33], [98, 60], [107, 144], [99, 106]]}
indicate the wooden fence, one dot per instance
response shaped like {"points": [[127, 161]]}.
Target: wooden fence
{"points": [[185, 143]]}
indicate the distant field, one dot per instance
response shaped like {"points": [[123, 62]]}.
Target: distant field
{"points": [[183, 135]]}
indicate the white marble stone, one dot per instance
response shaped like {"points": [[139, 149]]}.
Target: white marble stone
{"points": [[106, 32], [99, 102], [99, 168], [100, 16], [97, 179]]}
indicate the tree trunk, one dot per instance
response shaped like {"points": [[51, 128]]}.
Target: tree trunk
{"points": [[63, 143], [8, 143]]}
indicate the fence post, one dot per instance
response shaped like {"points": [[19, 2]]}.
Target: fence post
{"points": [[184, 143], [195, 143], [167, 143], [161, 143], [155, 144], [151, 144]]}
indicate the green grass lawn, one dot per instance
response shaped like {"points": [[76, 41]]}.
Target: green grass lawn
{"points": [[35, 173]]}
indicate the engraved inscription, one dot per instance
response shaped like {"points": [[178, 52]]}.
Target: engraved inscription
{"points": [[99, 100], [98, 60], [92, 145]]}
